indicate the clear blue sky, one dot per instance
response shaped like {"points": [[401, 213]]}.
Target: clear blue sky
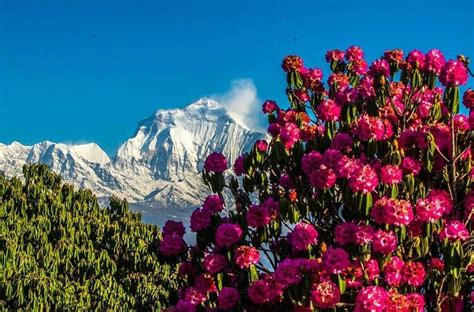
{"points": [[75, 71]]}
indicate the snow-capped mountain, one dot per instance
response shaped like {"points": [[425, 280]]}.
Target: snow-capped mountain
{"points": [[159, 166]]}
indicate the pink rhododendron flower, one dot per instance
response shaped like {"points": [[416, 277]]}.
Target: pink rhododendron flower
{"points": [[303, 236], [292, 62], [269, 107], [354, 53], [215, 162], [411, 165], [366, 87], [391, 174], [335, 260], [434, 206], [200, 220], [258, 216], [393, 271], [329, 110], [260, 292], [363, 179], [313, 79], [173, 227], [228, 298], [468, 99], [334, 55], [213, 204], [392, 211], [228, 234], [365, 234], [397, 302], [288, 272], [371, 298], [368, 127], [416, 59], [434, 61], [453, 73], [184, 306], [245, 256], [414, 273], [289, 135], [204, 283], [261, 145], [384, 242], [214, 263], [417, 302], [342, 142], [325, 294], [379, 68], [436, 264], [454, 230], [319, 175], [172, 245], [345, 233], [239, 165], [371, 268], [274, 129], [394, 56]]}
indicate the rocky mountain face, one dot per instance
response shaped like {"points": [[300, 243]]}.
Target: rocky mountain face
{"points": [[158, 167]]}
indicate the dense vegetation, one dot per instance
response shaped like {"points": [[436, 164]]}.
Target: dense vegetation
{"points": [[59, 250]]}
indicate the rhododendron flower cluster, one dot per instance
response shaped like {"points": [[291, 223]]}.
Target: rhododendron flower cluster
{"points": [[360, 199]]}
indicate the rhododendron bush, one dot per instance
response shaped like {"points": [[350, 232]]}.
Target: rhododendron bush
{"points": [[361, 201]]}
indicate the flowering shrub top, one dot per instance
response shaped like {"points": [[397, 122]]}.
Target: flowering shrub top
{"points": [[362, 200]]}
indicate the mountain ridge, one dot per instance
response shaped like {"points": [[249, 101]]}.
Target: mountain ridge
{"points": [[159, 165]]}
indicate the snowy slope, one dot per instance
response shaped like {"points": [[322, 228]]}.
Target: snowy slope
{"points": [[159, 166]]}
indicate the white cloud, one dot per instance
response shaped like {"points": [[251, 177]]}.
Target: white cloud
{"points": [[242, 103]]}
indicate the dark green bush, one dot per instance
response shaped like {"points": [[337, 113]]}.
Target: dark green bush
{"points": [[60, 251]]}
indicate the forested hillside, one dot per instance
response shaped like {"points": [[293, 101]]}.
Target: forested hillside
{"points": [[60, 251]]}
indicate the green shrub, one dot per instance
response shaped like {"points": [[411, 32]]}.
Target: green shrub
{"points": [[59, 250]]}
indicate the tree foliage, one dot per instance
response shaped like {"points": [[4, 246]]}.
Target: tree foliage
{"points": [[60, 251]]}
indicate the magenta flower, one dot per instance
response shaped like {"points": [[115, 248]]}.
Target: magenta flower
{"points": [[384, 242], [292, 62], [329, 110], [258, 216], [379, 68], [200, 220], [261, 145], [246, 256], [213, 204], [269, 107], [228, 234], [334, 55], [228, 298], [416, 59], [391, 174], [434, 61], [325, 294], [354, 53], [453, 73], [260, 292], [172, 245], [393, 271], [454, 230], [239, 165], [371, 298], [214, 263], [363, 179], [288, 272], [289, 135], [468, 99], [414, 273], [335, 260], [434, 206], [392, 211], [173, 227], [345, 233], [215, 162], [303, 236], [342, 141], [365, 234]]}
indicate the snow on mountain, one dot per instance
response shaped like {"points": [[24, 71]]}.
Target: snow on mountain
{"points": [[159, 166]]}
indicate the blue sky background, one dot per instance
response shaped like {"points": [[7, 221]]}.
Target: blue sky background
{"points": [[74, 71]]}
